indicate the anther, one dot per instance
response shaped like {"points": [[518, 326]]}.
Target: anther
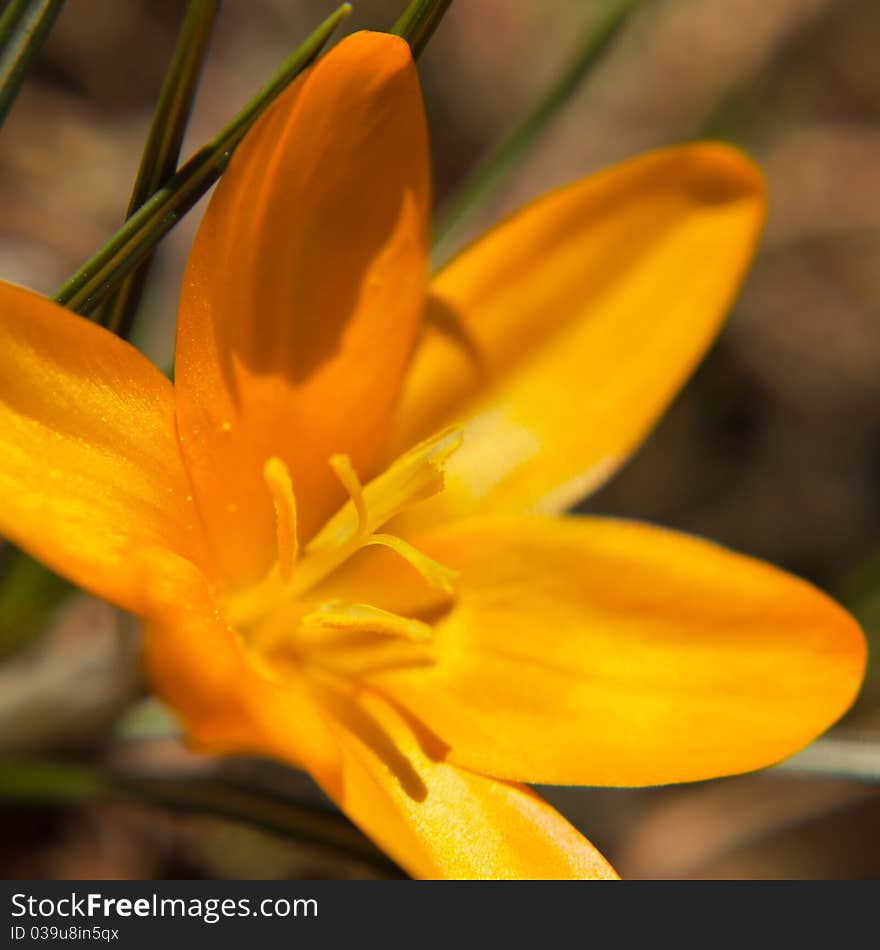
{"points": [[364, 618], [341, 465], [435, 574], [278, 480]]}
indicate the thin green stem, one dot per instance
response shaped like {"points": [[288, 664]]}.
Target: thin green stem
{"points": [[300, 821], [28, 592], [418, 21], [64, 783], [24, 26], [89, 286], [848, 757], [53, 782], [162, 148], [497, 163]]}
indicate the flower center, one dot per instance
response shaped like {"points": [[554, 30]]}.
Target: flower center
{"points": [[284, 591]]}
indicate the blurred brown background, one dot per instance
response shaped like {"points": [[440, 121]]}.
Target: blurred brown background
{"points": [[774, 448]]}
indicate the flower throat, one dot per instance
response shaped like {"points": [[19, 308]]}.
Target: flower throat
{"points": [[415, 476]]}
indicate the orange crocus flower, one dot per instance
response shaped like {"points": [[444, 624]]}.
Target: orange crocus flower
{"points": [[342, 525]]}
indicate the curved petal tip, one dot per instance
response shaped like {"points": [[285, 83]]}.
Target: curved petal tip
{"points": [[718, 172]]}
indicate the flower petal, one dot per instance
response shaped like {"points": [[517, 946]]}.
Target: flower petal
{"points": [[89, 462], [229, 703], [303, 293], [600, 652], [562, 335], [385, 771], [440, 821]]}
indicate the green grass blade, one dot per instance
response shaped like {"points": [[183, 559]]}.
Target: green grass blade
{"points": [[162, 148], [61, 783], [418, 21], [843, 755], [30, 782], [27, 594], [24, 26], [29, 591], [90, 285], [490, 171]]}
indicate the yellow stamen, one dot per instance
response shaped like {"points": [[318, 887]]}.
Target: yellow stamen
{"points": [[435, 574], [341, 465], [415, 476], [277, 477], [363, 618]]}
